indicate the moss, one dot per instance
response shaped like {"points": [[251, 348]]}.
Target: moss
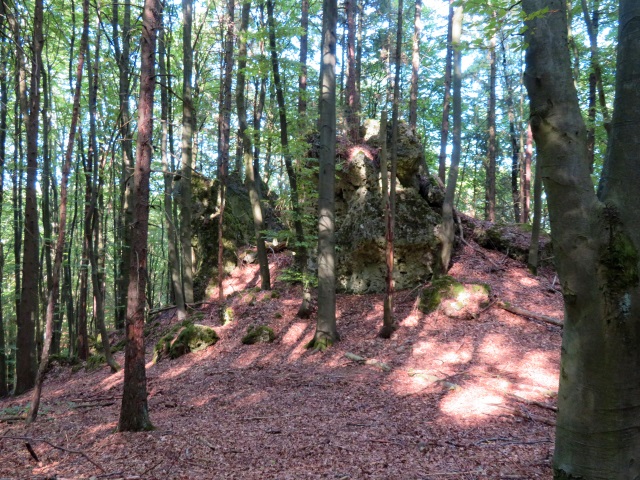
{"points": [[118, 347], [277, 315], [620, 259], [275, 294], [440, 289], [227, 316], [184, 338], [258, 334]]}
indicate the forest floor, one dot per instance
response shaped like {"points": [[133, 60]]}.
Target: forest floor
{"points": [[462, 399]]}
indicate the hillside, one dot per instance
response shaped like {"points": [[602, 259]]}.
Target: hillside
{"points": [[462, 399]]}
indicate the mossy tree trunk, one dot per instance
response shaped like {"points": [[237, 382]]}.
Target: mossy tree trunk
{"points": [[596, 241]]}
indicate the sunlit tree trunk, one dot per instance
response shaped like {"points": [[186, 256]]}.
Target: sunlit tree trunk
{"points": [[415, 67], [596, 243], [352, 103], [444, 131], [134, 414], [447, 233], [490, 182], [4, 95]]}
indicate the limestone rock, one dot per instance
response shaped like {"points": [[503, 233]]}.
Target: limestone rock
{"points": [[258, 334], [453, 298], [184, 338]]}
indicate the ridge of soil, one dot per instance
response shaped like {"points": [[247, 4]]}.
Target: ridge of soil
{"points": [[456, 401]]}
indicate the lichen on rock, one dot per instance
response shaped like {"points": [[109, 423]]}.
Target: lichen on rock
{"points": [[453, 298]]}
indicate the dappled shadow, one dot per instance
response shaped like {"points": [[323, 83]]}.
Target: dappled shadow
{"points": [[446, 405]]}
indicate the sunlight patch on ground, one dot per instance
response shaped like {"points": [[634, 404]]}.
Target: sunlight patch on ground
{"points": [[497, 348], [246, 359], [471, 402], [175, 371], [114, 380], [457, 356], [413, 320], [294, 333], [540, 369], [529, 282]]}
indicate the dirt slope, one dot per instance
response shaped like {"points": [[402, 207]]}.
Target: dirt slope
{"points": [[450, 406]]}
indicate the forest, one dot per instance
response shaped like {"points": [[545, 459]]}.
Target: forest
{"points": [[320, 239]]}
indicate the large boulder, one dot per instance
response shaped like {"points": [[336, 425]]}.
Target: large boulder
{"points": [[360, 226]]}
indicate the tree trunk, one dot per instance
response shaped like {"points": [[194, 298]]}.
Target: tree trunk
{"points": [[173, 266], [448, 228], [596, 243], [125, 216], [256, 207], [4, 95], [224, 127], [352, 104], [490, 183], [326, 332], [301, 249], [53, 292], [389, 324], [25, 342], [415, 67], [304, 44], [187, 152], [134, 414], [534, 249], [444, 131]]}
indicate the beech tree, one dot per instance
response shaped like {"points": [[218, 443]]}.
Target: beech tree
{"points": [[134, 414], [596, 239]]}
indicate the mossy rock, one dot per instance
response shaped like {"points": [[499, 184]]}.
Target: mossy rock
{"points": [[184, 338], [454, 299], [258, 334]]}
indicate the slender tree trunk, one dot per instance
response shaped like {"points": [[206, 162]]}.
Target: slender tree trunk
{"points": [[389, 323], [301, 249], [4, 95], [187, 152], [82, 339], [326, 331], [224, 127], [352, 104], [53, 292], [415, 67], [125, 217], [490, 183], [25, 342], [175, 282], [448, 228], [534, 249], [245, 136], [134, 414], [596, 244], [444, 131], [304, 44]]}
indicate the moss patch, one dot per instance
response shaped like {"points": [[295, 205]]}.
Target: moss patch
{"points": [[453, 298], [184, 338], [258, 334]]}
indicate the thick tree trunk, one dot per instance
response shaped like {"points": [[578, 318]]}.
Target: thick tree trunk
{"points": [[444, 131], [596, 245], [134, 414], [247, 149], [448, 229], [326, 331], [187, 152]]}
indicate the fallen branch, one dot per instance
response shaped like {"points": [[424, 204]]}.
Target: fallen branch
{"points": [[528, 313], [44, 440], [94, 405], [13, 419], [443, 474], [529, 416], [553, 408]]}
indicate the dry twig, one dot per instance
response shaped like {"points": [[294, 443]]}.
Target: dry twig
{"points": [[528, 313]]}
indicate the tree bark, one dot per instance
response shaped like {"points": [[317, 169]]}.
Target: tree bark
{"points": [[256, 207], [448, 229], [4, 94], [326, 332], [444, 131], [596, 243], [415, 68], [25, 341], [389, 324], [304, 46], [353, 103], [187, 152], [301, 249], [134, 414], [54, 291], [173, 266], [490, 182]]}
